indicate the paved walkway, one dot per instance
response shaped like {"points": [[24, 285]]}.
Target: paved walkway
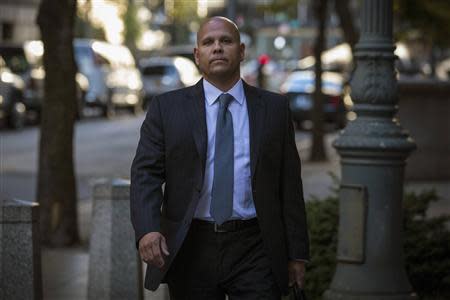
{"points": [[65, 271]]}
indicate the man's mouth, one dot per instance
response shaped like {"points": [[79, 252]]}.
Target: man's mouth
{"points": [[218, 60]]}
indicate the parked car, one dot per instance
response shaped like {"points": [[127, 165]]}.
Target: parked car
{"points": [[185, 50], [32, 75], [12, 108], [299, 88], [25, 60], [274, 74], [114, 80], [162, 74], [443, 70]]}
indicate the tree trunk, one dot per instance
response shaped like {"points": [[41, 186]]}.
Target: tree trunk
{"points": [[351, 34], [433, 58], [318, 149], [56, 190], [132, 27]]}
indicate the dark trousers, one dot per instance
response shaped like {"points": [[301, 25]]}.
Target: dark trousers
{"points": [[211, 264]]}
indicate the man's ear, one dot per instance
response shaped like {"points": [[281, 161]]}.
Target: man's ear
{"points": [[242, 51], [196, 56]]}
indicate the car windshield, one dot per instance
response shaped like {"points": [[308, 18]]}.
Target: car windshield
{"points": [[101, 53], [15, 59], [116, 55], [304, 82], [83, 57], [158, 70]]}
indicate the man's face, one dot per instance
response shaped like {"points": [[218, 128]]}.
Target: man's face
{"points": [[219, 51]]}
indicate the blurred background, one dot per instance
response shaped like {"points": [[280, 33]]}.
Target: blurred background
{"points": [[130, 50], [127, 51]]}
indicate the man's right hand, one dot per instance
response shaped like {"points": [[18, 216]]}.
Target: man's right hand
{"points": [[152, 248]]}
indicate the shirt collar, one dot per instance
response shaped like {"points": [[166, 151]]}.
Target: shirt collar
{"points": [[212, 93]]}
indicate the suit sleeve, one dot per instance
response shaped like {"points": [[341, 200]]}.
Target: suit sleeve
{"points": [[147, 174], [294, 213]]}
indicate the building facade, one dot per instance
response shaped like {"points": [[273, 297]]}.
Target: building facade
{"points": [[18, 20]]}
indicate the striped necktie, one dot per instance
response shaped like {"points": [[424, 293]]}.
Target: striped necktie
{"points": [[223, 181]]}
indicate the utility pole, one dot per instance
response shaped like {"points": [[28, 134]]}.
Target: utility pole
{"points": [[373, 150], [231, 10]]}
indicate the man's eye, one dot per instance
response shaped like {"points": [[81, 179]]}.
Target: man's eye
{"points": [[207, 42], [226, 41]]}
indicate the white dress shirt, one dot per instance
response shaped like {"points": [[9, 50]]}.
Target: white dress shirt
{"points": [[243, 206]]}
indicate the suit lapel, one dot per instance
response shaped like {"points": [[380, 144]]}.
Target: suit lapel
{"points": [[197, 115], [256, 115]]}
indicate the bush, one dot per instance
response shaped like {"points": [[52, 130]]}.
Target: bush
{"points": [[323, 219], [426, 246]]}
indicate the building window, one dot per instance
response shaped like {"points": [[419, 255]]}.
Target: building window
{"points": [[7, 31]]}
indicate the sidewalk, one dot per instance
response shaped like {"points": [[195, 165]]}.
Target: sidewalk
{"points": [[65, 271]]}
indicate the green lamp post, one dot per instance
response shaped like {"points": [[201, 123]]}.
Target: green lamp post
{"points": [[373, 150]]}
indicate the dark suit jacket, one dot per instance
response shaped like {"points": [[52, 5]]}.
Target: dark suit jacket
{"points": [[172, 150]]}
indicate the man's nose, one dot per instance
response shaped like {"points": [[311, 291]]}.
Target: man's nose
{"points": [[217, 46]]}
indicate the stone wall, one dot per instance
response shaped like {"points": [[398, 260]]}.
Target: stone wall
{"points": [[425, 113], [20, 256]]}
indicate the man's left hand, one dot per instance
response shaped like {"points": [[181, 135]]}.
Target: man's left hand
{"points": [[296, 273]]}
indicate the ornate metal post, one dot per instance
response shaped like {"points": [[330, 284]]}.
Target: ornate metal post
{"points": [[373, 150]]}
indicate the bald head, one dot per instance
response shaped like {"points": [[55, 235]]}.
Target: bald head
{"points": [[219, 52], [218, 19]]}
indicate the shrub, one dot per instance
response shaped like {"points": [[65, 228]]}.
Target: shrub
{"points": [[426, 246], [323, 219]]}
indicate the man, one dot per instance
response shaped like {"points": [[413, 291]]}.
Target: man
{"points": [[231, 219]]}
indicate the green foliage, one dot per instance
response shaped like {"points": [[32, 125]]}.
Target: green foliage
{"points": [[426, 246], [184, 17], [132, 27], [288, 7], [322, 224], [184, 11], [85, 29], [430, 19]]}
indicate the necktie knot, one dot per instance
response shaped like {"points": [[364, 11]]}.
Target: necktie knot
{"points": [[225, 100]]}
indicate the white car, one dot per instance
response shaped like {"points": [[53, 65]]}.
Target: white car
{"points": [[299, 88], [163, 74], [114, 80]]}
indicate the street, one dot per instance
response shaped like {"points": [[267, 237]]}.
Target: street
{"points": [[358, 70], [103, 148]]}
